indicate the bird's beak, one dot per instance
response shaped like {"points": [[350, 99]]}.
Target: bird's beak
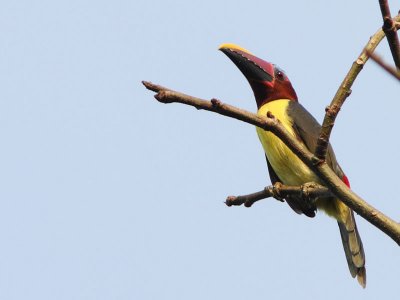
{"points": [[253, 68]]}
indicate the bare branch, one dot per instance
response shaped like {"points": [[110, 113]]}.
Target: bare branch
{"points": [[308, 192], [321, 168], [343, 92], [389, 27], [385, 66], [268, 123]]}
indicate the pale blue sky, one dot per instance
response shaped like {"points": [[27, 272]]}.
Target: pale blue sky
{"points": [[107, 194]]}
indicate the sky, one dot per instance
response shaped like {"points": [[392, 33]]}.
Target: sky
{"points": [[108, 194]]}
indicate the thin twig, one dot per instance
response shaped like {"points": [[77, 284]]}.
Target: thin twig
{"points": [[343, 92], [385, 66], [389, 27], [308, 192], [321, 169]]}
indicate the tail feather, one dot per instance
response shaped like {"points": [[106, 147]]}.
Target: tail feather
{"points": [[353, 247]]}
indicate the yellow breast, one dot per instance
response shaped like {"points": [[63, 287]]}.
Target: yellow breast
{"points": [[289, 168]]}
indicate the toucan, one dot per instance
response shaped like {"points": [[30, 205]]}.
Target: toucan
{"points": [[275, 94]]}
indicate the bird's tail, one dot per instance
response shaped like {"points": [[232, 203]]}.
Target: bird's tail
{"points": [[352, 244]]}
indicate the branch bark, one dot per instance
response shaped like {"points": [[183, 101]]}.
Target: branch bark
{"points": [[343, 92], [321, 168], [389, 27]]}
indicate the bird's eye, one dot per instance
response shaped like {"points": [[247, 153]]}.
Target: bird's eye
{"points": [[280, 75]]}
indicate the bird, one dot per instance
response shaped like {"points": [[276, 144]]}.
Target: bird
{"points": [[274, 94]]}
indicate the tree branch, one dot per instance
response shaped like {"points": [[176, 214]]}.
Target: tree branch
{"points": [[385, 66], [270, 123], [389, 27], [343, 92], [308, 192]]}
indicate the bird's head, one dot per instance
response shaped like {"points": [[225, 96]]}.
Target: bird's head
{"points": [[267, 81]]}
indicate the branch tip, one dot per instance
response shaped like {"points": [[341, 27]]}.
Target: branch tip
{"points": [[230, 200], [150, 86]]}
